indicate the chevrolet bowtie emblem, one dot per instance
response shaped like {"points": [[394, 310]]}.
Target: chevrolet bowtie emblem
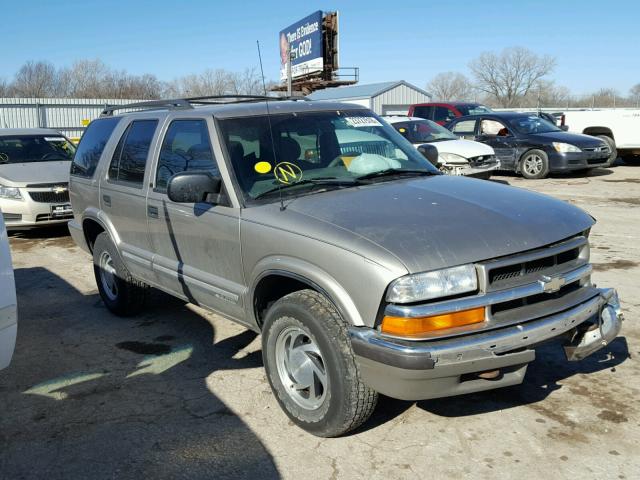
{"points": [[59, 189], [551, 284]]}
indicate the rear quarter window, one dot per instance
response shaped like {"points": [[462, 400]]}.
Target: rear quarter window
{"points": [[92, 145]]}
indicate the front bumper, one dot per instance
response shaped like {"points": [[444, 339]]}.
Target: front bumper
{"points": [[471, 171], [564, 162], [441, 368], [26, 213]]}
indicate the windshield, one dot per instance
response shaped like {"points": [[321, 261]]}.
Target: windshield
{"points": [[532, 124], [473, 109], [314, 151], [35, 148], [423, 131]]}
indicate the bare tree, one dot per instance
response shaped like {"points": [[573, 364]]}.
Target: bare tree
{"points": [[35, 79], [248, 82], [511, 74], [4, 88], [448, 86]]}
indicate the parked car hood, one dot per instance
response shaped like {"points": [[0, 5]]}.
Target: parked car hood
{"points": [[429, 222], [577, 139], [466, 148], [22, 174]]}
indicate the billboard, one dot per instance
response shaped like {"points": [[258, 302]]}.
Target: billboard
{"points": [[306, 42]]}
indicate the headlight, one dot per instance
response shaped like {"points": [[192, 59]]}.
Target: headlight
{"points": [[10, 192], [439, 283], [565, 147], [452, 158]]}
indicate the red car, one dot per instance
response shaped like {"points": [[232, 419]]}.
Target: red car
{"points": [[444, 112]]}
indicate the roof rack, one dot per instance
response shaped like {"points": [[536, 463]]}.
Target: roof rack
{"points": [[186, 103]]}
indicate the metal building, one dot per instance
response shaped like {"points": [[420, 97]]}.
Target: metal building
{"points": [[68, 115], [384, 98]]}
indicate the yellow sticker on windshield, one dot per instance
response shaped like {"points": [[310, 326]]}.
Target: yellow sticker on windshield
{"points": [[286, 172], [402, 130], [262, 167]]}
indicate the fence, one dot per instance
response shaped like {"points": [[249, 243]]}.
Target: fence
{"points": [[68, 115]]}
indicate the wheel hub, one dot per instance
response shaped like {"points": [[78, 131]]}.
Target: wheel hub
{"points": [[108, 275], [301, 368]]}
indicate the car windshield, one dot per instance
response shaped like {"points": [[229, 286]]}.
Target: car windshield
{"points": [[303, 152], [35, 148], [532, 125], [423, 131], [473, 109]]}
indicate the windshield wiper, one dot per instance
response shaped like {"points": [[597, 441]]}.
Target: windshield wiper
{"points": [[312, 181], [389, 172]]}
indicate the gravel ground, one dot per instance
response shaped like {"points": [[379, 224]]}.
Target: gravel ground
{"points": [[180, 393]]}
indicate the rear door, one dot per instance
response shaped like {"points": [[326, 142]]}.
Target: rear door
{"points": [[496, 134], [443, 115], [123, 190], [196, 246]]}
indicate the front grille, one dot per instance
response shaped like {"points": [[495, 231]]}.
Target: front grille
{"points": [[522, 269], [44, 217], [50, 197], [47, 185], [600, 149]]}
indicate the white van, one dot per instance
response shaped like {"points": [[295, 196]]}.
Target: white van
{"points": [[8, 304], [455, 156]]}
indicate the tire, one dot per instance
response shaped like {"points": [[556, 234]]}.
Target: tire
{"points": [[534, 164], [612, 146], [122, 294], [304, 332]]}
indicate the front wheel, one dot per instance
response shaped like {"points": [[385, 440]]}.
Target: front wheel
{"points": [[311, 366], [534, 164], [612, 147]]}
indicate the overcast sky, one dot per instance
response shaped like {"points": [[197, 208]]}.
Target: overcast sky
{"points": [[596, 44]]}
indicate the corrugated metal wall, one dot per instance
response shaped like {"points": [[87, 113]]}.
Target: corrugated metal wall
{"points": [[64, 114], [398, 98]]}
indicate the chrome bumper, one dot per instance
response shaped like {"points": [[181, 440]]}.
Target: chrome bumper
{"points": [[435, 368]]}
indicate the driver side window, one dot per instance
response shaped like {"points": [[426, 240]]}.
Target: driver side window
{"points": [[186, 146], [492, 128]]}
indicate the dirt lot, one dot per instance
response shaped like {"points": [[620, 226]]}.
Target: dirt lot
{"points": [[180, 393]]}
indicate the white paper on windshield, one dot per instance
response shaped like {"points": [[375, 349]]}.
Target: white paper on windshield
{"points": [[55, 139], [363, 121]]}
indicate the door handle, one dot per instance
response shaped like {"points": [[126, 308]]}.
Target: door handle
{"points": [[107, 200], [152, 211]]}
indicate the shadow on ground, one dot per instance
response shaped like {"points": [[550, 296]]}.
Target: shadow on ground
{"points": [[119, 398]]}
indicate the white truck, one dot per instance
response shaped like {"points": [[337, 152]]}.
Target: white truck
{"points": [[620, 128]]}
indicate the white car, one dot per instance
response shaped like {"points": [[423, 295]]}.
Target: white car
{"points": [[8, 308], [455, 156]]}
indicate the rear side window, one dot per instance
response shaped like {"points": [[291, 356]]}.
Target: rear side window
{"points": [[91, 146], [423, 112], [465, 127], [186, 146], [130, 157], [443, 114]]}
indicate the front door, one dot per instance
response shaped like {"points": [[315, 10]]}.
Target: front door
{"points": [[196, 246], [123, 194], [504, 143]]}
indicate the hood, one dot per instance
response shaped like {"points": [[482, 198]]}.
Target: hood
{"points": [[430, 222], [465, 148], [22, 174], [576, 139]]}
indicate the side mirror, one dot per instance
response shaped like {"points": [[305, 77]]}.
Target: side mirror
{"points": [[193, 187], [429, 152], [564, 128]]}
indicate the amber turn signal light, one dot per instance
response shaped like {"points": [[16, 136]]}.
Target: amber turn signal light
{"points": [[416, 327]]}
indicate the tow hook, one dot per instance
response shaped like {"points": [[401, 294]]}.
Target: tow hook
{"points": [[609, 320]]}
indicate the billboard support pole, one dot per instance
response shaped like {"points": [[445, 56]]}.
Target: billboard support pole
{"points": [[289, 79]]}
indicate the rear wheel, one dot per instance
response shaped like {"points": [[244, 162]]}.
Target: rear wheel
{"points": [[612, 147], [121, 293], [311, 366], [534, 164]]}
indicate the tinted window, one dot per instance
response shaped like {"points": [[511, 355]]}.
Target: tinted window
{"points": [[186, 146], [443, 114], [423, 112], [130, 157], [423, 131], [465, 127], [91, 146]]}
